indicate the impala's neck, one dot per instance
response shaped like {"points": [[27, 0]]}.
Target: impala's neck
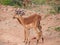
{"points": [[20, 19]]}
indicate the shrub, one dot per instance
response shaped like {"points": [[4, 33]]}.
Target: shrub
{"points": [[57, 28], [11, 2], [5, 2], [55, 4], [38, 1]]}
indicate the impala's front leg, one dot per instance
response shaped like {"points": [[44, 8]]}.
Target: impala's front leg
{"points": [[25, 36], [28, 39]]}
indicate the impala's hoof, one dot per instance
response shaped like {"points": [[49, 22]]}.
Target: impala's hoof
{"points": [[42, 40], [34, 38], [24, 41]]}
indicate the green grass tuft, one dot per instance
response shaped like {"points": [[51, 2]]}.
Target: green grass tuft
{"points": [[57, 28]]}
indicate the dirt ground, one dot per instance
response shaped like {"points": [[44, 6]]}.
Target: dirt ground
{"points": [[12, 33]]}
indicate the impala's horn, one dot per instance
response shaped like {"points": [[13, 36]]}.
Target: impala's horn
{"points": [[20, 12]]}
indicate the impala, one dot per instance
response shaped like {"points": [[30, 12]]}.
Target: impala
{"points": [[32, 21]]}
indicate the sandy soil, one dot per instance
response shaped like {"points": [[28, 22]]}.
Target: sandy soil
{"points": [[12, 33]]}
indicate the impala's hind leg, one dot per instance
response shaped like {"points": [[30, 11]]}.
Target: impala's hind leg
{"points": [[38, 37], [40, 34]]}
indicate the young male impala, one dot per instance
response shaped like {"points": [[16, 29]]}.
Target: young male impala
{"points": [[32, 21]]}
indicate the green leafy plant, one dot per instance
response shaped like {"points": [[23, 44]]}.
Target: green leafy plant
{"points": [[38, 1], [55, 4], [11, 2], [57, 28]]}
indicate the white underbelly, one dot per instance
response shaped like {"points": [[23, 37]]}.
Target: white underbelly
{"points": [[30, 26]]}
